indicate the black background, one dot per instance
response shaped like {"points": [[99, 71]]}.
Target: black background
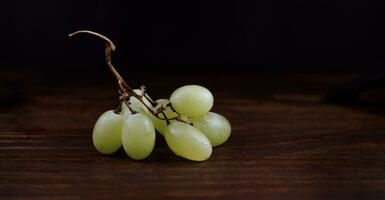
{"points": [[194, 36]]}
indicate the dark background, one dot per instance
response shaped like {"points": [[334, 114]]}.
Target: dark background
{"points": [[232, 36], [275, 69]]}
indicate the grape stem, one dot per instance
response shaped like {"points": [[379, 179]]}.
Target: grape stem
{"points": [[125, 91]]}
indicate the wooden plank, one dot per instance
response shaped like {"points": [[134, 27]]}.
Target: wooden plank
{"points": [[286, 144]]}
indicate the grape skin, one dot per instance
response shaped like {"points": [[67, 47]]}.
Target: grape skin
{"points": [[187, 141], [161, 125], [215, 126], [192, 100], [136, 105], [138, 136], [106, 134]]}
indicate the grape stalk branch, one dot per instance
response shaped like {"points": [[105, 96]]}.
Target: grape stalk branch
{"points": [[126, 91], [185, 120]]}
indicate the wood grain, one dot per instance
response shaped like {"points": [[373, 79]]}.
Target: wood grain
{"points": [[286, 144]]}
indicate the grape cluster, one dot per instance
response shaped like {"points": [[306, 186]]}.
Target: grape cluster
{"points": [[185, 120], [191, 132]]}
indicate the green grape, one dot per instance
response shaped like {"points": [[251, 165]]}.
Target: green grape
{"points": [[106, 135], [185, 118], [138, 136], [161, 125], [192, 100], [187, 141], [215, 126], [125, 111], [136, 105]]}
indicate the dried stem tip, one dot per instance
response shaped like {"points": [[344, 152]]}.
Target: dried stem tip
{"points": [[109, 47], [110, 43]]}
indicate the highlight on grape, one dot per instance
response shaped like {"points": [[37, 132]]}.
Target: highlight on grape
{"points": [[185, 120]]}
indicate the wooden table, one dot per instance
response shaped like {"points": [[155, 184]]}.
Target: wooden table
{"points": [[285, 144]]}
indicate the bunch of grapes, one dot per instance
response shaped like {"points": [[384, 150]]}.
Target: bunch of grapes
{"points": [[185, 120]]}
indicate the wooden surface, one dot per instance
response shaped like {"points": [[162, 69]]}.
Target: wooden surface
{"points": [[286, 144]]}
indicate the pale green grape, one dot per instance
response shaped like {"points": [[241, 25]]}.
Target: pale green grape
{"points": [[106, 135], [187, 141], [136, 105], [161, 125], [138, 136], [125, 111], [215, 126], [192, 100]]}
